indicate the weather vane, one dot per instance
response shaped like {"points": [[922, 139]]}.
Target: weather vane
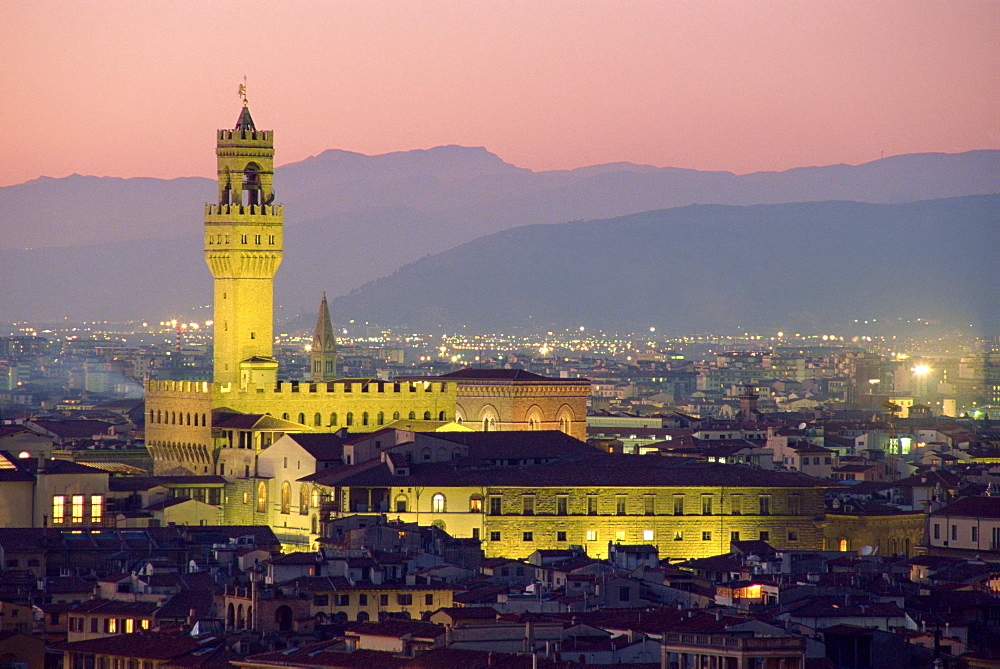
{"points": [[243, 90]]}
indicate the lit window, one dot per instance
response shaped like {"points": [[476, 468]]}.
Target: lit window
{"points": [[129, 625], [315, 497], [476, 505], [77, 508], [144, 623], [59, 509], [286, 497], [647, 535], [261, 497], [96, 508], [620, 535], [591, 535], [437, 503]]}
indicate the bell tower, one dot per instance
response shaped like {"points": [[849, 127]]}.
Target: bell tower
{"points": [[243, 242], [323, 354]]}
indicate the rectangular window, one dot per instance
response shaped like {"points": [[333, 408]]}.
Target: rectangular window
{"points": [[765, 535], [494, 536], [794, 505], [678, 505], [620, 535], [112, 625], [270, 239], [975, 533], [344, 600], [144, 623], [706, 535], [321, 600], [404, 599], [793, 535], [649, 505], [765, 505], [620, 505], [706, 505], [678, 535], [528, 536], [362, 600], [737, 505], [77, 508], [528, 505], [560, 536], [495, 505], [129, 625], [647, 535], [734, 536], [256, 239], [383, 600], [624, 593], [243, 239], [591, 505], [96, 508], [591, 535], [937, 530], [429, 599], [59, 509], [562, 505], [954, 532], [93, 625]]}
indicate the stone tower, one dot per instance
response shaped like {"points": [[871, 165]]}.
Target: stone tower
{"points": [[243, 242], [324, 347]]}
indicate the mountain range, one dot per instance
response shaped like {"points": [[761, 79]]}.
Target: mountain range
{"points": [[99, 247]]}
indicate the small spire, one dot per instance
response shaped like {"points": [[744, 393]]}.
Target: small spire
{"points": [[245, 122], [324, 346]]}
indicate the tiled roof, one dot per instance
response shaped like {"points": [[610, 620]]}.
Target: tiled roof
{"points": [[596, 469], [397, 628], [322, 446], [146, 645], [975, 507]]}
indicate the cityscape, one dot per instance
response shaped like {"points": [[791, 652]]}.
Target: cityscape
{"points": [[615, 415]]}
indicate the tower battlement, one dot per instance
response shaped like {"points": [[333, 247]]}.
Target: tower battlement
{"points": [[185, 387], [343, 388], [244, 138], [223, 213]]}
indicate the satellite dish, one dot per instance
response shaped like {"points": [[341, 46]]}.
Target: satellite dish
{"points": [[867, 550], [802, 426]]}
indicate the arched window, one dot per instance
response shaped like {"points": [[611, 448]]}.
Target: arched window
{"points": [[413, 415], [564, 424], [395, 415], [204, 420], [159, 418], [188, 417], [317, 420], [364, 418], [486, 424], [261, 497], [401, 503], [151, 414], [333, 418], [381, 418], [286, 497], [350, 418], [302, 419], [437, 503], [196, 420], [442, 416], [427, 415], [304, 499], [315, 497], [239, 617], [173, 418], [284, 416]]}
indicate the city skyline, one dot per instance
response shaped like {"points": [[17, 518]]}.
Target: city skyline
{"points": [[120, 89]]}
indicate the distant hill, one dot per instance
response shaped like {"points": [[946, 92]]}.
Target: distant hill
{"points": [[352, 218], [711, 268]]}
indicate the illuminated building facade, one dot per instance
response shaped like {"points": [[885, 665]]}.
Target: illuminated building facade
{"points": [[686, 509], [243, 249]]}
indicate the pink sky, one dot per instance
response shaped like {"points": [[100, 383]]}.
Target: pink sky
{"points": [[137, 88]]}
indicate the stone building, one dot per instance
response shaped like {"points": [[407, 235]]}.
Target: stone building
{"points": [[243, 245], [516, 506]]}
